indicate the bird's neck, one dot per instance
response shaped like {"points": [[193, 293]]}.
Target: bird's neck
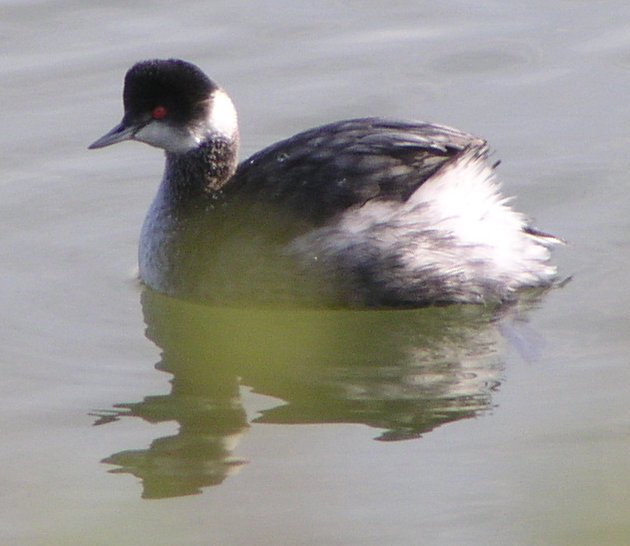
{"points": [[200, 174]]}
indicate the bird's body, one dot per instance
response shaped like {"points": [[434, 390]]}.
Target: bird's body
{"points": [[360, 212]]}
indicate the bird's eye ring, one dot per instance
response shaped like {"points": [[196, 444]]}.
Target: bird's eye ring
{"points": [[159, 112]]}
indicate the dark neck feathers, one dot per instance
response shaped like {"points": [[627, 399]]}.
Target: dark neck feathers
{"points": [[201, 173]]}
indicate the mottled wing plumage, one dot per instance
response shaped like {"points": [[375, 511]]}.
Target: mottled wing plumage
{"points": [[323, 171]]}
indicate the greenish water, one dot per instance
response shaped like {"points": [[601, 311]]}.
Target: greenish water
{"points": [[130, 418]]}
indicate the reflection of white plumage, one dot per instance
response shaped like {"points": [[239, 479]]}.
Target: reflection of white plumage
{"points": [[378, 212]]}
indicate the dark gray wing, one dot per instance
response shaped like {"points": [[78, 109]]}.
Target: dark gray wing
{"points": [[321, 172]]}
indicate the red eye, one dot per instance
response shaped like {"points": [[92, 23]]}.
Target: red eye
{"points": [[159, 112]]}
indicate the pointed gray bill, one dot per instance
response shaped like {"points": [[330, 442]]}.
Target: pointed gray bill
{"points": [[119, 133]]}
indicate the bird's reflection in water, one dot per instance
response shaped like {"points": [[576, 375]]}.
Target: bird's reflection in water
{"points": [[404, 372]]}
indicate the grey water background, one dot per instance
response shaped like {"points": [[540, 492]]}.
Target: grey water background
{"points": [[450, 426]]}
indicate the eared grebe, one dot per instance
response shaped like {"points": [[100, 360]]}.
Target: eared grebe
{"points": [[359, 212]]}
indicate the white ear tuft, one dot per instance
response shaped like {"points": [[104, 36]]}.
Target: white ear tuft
{"points": [[222, 116]]}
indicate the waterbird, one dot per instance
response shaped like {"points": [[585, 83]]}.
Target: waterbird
{"points": [[366, 212]]}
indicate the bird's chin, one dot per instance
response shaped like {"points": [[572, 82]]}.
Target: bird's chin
{"points": [[168, 138]]}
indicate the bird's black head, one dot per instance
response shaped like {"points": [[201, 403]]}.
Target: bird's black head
{"points": [[172, 104], [172, 90]]}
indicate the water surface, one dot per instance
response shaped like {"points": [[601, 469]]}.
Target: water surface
{"points": [[448, 426]]}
